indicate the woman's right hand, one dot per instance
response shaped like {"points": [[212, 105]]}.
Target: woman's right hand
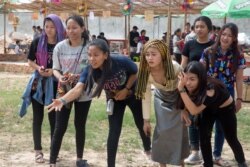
{"points": [[42, 71], [63, 80], [56, 105], [182, 80], [147, 128]]}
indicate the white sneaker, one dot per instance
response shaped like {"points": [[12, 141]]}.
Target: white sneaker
{"points": [[193, 159]]}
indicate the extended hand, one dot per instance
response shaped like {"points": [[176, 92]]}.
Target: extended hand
{"points": [[56, 105]]}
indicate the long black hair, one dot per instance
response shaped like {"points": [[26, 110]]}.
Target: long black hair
{"points": [[205, 83], [78, 19], [198, 69], [234, 46], [99, 76], [206, 20]]}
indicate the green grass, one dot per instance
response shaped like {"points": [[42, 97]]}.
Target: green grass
{"points": [[13, 127], [16, 131]]}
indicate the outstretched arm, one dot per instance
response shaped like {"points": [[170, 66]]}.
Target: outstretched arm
{"points": [[68, 97]]}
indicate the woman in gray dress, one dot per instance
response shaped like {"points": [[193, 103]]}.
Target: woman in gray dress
{"points": [[170, 139]]}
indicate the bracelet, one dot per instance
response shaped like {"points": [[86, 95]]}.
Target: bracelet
{"points": [[240, 99], [64, 102], [183, 90]]}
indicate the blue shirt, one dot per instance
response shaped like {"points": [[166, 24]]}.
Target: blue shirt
{"points": [[121, 69]]}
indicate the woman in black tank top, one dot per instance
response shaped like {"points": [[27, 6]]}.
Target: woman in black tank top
{"points": [[198, 95]]}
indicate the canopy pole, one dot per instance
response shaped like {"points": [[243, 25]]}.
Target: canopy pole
{"points": [[126, 28], [169, 27], [4, 30], [185, 18], [129, 34], [225, 19]]}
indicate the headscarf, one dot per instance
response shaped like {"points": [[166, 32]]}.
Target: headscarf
{"points": [[42, 51], [144, 70]]}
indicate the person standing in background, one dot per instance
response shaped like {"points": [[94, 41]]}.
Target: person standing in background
{"points": [[102, 36], [186, 30], [178, 45], [133, 39], [35, 32], [191, 35]]}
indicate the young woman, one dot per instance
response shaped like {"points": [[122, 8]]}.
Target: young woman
{"points": [[193, 49], [192, 52], [211, 98], [170, 140], [117, 76], [225, 62], [40, 59], [178, 45], [69, 57]]}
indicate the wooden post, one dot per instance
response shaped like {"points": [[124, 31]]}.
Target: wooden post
{"points": [[169, 27], [185, 18], [126, 28], [128, 34], [4, 29]]}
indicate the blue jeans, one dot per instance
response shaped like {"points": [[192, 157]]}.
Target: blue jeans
{"points": [[219, 135], [193, 132]]}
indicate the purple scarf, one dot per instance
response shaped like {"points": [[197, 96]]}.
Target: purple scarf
{"points": [[42, 52]]}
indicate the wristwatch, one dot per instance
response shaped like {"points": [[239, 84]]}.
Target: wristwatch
{"points": [[183, 90]]}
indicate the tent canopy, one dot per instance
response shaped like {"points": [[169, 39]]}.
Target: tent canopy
{"points": [[228, 8], [160, 7]]}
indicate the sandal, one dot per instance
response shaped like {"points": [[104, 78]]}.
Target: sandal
{"points": [[39, 157]]}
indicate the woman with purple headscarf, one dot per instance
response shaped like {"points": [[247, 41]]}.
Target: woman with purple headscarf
{"points": [[40, 59]]}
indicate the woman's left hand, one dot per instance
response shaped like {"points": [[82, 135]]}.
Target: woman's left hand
{"points": [[121, 94], [238, 105]]}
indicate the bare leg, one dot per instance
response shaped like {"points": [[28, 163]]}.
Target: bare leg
{"points": [[163, 165]]}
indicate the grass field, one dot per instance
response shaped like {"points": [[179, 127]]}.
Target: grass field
{"points": [[16, 132]]}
